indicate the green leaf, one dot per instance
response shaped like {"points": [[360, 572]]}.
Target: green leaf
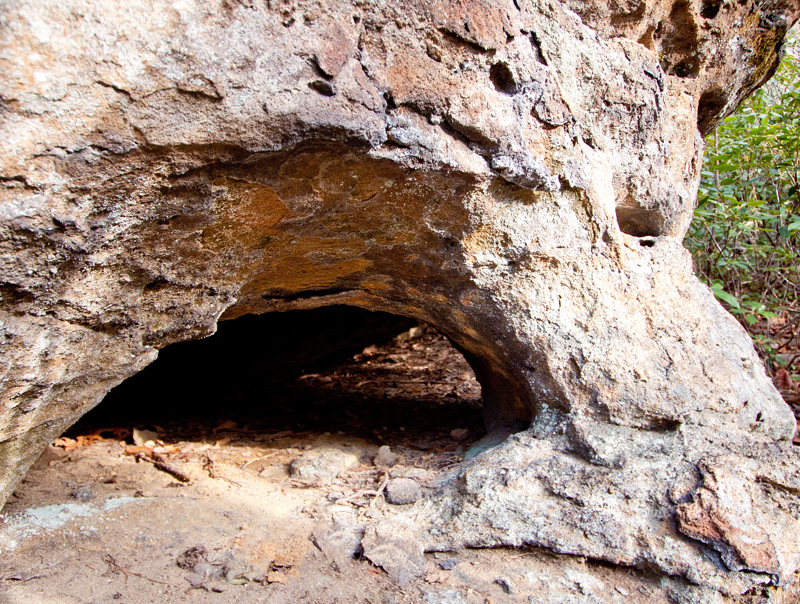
{"points": [[723, 167], [745, 236], [723, 295]]}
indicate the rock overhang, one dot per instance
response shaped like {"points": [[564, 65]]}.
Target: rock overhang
{"points": [[519, 175]]}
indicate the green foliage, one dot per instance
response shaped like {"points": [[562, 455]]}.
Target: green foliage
{"points": [[745, 236]]}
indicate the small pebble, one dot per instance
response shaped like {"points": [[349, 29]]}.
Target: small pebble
{"points": [[385, 458], [448, 564], [459, 434], [505, 585], [83, 493], [194, 579], [400, 491], [204, 569]]}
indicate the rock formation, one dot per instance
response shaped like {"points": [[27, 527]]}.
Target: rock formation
{"points": [[518, 173]]}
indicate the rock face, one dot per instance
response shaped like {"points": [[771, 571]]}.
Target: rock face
{"points": [[520, 174]]}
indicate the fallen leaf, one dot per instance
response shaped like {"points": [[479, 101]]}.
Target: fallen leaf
{"points": [[782, 380], [87, 439], [68, 444], [136, 450], [142, 437], [228, 424], [119, 433]]}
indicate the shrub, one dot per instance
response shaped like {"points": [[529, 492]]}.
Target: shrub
{"points": [[745, 236]]}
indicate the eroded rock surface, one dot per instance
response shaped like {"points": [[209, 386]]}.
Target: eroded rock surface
{"points": [[518, 174]]}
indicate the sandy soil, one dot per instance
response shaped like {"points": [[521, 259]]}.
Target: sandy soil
{"points": [[97, 521]]}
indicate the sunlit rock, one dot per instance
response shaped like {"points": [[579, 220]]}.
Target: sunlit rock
{"points": [[518, 174]]}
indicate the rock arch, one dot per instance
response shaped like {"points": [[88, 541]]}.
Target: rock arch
{"points": [[170, 165]]}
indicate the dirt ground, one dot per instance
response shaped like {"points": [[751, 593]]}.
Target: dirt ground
{"points": [[137, 507]]}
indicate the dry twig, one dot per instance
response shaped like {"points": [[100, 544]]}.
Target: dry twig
{"points": [[380, 490], [367, 492], [115, 566], [211, 467], [252, 461], [23, 577], [159, 462]]}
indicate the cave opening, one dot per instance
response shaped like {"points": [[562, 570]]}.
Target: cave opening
{"points": [[307, 377]]}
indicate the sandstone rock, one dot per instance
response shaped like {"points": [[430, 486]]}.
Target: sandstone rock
{"points": [[385, 458], [448, 563], [519, 175], [323, 465], [342, 541], [446, 596], [401, 491], [398, 553]]}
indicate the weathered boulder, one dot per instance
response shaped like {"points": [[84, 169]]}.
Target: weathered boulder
{"points": [[520, 174]]}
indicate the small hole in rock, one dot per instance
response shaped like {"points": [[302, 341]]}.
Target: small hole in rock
{"points": [[710, 8], [389, 98], [323, 87], [710, 109], [639, 222], [503, 79], [155, 285], [688, 68], [646, 39], [647, 242]]}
